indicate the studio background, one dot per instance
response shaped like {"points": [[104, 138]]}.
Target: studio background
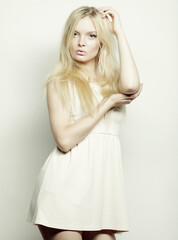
{"points": [[30, 37]]}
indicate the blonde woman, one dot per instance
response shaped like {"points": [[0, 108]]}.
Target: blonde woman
{"points": [[79, 189]]}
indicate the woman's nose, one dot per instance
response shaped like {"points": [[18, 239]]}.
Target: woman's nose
{"points": [[81, 42]]}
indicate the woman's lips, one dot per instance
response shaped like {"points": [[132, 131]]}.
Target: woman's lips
{"points": [[80, 52]]}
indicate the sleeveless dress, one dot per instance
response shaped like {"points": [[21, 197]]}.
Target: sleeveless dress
{"points": [[82, 189]]}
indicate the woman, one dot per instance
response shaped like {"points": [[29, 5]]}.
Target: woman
{"points": [[79, 190]]}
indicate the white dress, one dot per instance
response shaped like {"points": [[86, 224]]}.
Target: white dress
{"points": [[83, 188]]}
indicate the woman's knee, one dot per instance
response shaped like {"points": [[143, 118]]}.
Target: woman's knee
{"points": [[68, 235], [103, 234], [49, 233]]}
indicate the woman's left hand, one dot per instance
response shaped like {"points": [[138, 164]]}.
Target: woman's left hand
{"points": [[115, 25]]}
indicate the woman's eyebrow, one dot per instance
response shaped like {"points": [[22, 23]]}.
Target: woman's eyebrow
{"points": [[87, 32]]}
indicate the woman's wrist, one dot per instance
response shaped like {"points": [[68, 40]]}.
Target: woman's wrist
{"points": [[107, 104], [119, 32], [110, 102]]}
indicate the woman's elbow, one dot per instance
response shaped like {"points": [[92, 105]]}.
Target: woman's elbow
{"points": [[63, 144], [133, 89], [130, 89]]}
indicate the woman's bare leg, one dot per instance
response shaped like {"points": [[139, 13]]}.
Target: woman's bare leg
{"points": [[49, 233], [99, 235]]}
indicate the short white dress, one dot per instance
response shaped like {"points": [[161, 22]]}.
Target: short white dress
{"points": [[82, 189]]}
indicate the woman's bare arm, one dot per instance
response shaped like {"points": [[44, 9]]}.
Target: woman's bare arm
{"points": [[68, 135], [128, 81]]}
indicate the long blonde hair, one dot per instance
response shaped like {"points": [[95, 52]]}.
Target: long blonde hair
{"points": [[67, 70]]}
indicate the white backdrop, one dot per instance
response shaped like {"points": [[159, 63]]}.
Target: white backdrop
{"points": [[30, 36]]}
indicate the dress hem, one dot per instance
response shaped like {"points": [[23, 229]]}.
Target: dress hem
{"points": [[116, 230]]}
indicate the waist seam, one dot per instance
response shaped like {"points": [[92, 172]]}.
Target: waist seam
{"points": [[116, 135]]}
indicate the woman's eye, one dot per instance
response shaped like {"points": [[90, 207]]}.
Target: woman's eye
{"points": [[93, 35]]}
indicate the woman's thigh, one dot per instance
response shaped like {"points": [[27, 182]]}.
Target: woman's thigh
{"points": [[49, 233], [98, 235]]}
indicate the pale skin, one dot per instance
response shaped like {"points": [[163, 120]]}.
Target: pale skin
{"points": [[68, 135], [129, 79]]}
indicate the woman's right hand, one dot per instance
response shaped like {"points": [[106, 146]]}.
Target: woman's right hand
{"points": [[119, 99]]}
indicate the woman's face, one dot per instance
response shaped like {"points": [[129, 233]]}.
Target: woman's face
{"points": [[85, 39]]}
